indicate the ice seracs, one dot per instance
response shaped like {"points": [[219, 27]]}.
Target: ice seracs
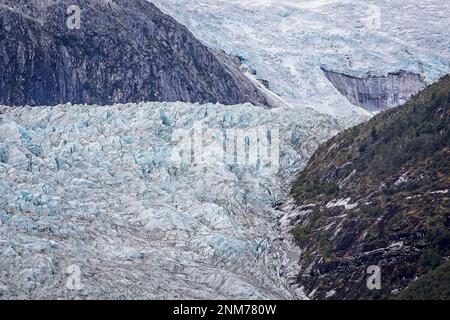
{"points": [[96, 187]]}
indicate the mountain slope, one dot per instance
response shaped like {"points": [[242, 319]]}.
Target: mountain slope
{"points": [[377, 194], [124, 51], [287, 42]]}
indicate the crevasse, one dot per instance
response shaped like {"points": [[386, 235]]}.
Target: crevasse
{"points": [[95, 187]]}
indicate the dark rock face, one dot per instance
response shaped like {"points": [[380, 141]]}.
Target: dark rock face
{"points": [[377, 93], [378, 195], [125, 51]]}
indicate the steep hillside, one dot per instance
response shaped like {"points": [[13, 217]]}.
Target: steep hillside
{"points": [[377, 194], [124, 51]]}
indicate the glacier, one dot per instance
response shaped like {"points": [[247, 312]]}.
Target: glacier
{"points": [[288, 41], [95, 189]]}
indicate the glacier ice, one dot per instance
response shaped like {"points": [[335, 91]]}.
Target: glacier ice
{"points": [[95, 187], [287, 42]]}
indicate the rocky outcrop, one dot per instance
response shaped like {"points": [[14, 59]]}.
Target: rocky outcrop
{"points": [[377, 93], [124, 51], [377, 195]]}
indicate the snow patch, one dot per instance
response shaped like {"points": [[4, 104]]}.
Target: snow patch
{"points": [[342, 203]]}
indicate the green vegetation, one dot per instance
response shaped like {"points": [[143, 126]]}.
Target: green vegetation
{"points": [[314, 188], [301, 233], [391, 141], [396, 168], [435, 285], [310, 232], [370, 211]]}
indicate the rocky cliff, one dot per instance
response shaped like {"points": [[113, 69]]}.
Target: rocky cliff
{"points": [[377, 93], [123, 51], [378, 195]]}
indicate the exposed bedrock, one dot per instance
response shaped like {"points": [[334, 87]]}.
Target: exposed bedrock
{"points": [[124, 51], [377, 93]]}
